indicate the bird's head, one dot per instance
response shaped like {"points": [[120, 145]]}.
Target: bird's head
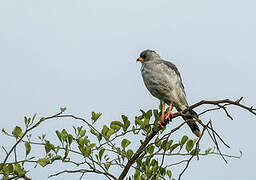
{"points": [[147, 55]]}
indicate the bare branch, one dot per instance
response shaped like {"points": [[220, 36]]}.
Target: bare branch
{"points": [[84, 171], [216, 143]]}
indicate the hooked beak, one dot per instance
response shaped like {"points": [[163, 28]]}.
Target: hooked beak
{"points": [[140, 59]]}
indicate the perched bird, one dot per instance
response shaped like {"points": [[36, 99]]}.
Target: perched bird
{"points": [[164, 82]]}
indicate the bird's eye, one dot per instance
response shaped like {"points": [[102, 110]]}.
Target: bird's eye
{"points": [[143, 55]]}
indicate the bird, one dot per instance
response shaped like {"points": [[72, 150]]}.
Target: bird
{"points": [[163, 81]]}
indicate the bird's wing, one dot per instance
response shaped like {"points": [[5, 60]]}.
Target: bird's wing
{"points": [[172, 66]]}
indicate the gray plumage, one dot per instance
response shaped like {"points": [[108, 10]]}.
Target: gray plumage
{"points": [[164, 82]]}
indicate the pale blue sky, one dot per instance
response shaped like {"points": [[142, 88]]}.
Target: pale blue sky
{"points": [[81, 54]]}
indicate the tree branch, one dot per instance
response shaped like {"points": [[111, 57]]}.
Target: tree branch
{"points": [[218, 103], [84, 171]]}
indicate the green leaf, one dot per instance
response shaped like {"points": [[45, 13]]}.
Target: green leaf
{"points": [[158, 142], [146, 122], [207, 151], [101, 153], [169, 174], [195, 151], [64, 134], [82, 150], [28, 148], [70, 139], [43, 161], [150, 149], [66, 152], [94, 132], [8, 169], [126, 123], [143, 113], [27, 121], [88, 148], [168, 145], [80, 141], [54, 158], [148, 114], [17, 132], [57, 149], [156, 114], [95, 116], [107, 165], [174, 147], [195, 140], [164, 145], [129, 153], [59, 136], [138, 121], [125, 143], [63, 109], [162, 171], [1, 166], [116, 125], [19, 170], [33, 118], [100, 137], [104, 130], [48, 146], [110, 132], [79, 129], [189, 145], [183, 141], [82, 132]]}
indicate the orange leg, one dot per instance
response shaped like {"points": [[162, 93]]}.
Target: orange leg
{"points": [[163, 115], [169, 113]]}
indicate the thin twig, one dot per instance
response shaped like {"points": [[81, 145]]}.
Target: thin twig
{"points": [[27, 130], [216, 143], [4, 150], [83, 171]]}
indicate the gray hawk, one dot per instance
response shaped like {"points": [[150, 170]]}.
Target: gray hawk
{"points": [[164, 82]]}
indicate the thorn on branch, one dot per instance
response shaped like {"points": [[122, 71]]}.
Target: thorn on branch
{"points": [[225, 110], [252, 109], [239, 100]]}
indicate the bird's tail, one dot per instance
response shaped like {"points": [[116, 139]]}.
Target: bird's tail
{"points": [[191, 114]]}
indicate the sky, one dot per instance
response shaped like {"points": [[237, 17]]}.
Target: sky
{"points": [[82, 55]]}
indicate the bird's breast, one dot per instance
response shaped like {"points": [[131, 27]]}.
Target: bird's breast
{"points": [[159, 83]]}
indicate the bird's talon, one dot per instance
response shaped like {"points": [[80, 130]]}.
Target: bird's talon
{"points": [[161, 125], [170, 116]]}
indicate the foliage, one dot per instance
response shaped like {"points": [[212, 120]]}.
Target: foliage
{"points": [[106, 149]]}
